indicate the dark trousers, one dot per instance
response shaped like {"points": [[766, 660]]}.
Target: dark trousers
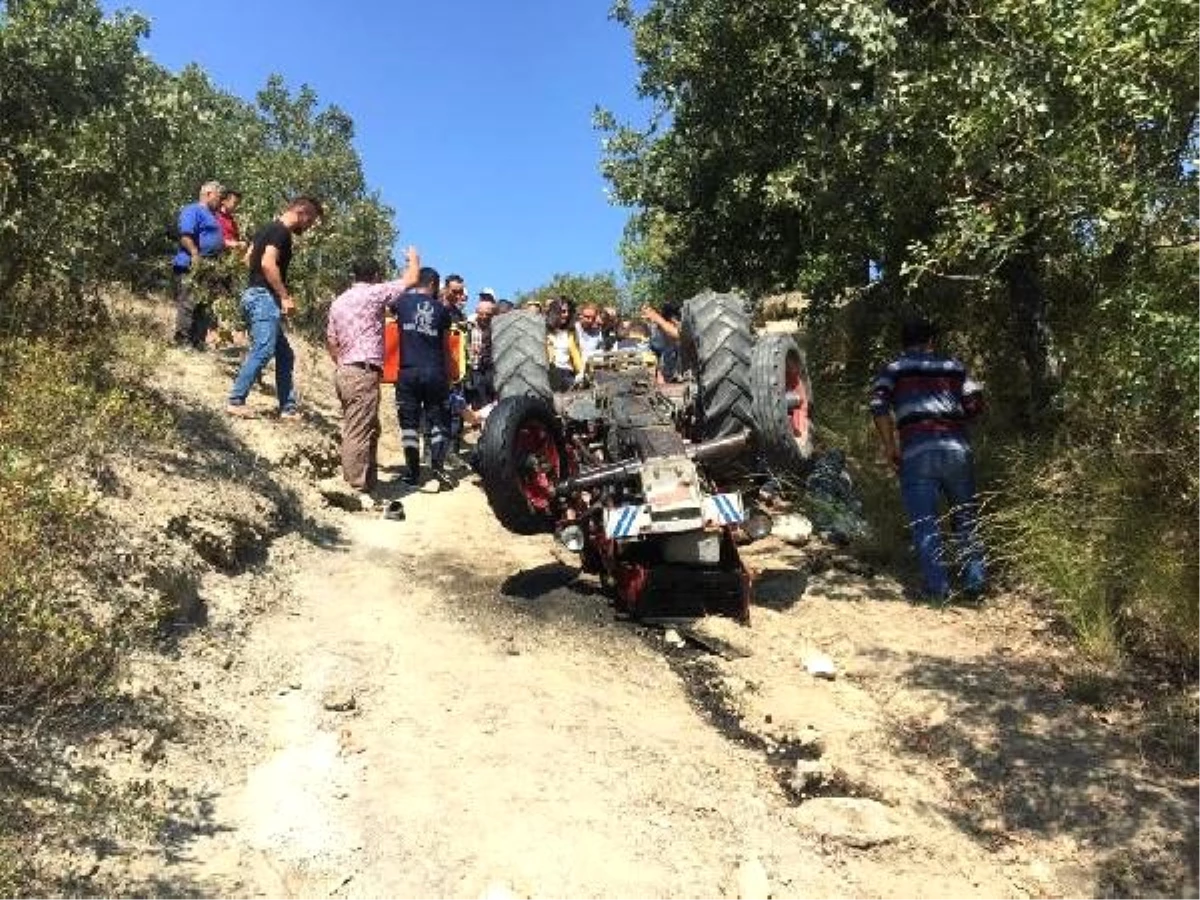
{"points": [[192, 315], [482, 390], [423, 391], [561, 380]]}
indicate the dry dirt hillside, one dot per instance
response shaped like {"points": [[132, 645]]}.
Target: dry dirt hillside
{"points": [[348, 706]]}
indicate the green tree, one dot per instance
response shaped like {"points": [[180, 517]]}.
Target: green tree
{"points": [[976, 159], [83, 124], [600, 288]]}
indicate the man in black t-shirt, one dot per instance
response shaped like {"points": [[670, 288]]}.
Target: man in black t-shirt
{"points": [[425, 376], [264, 304]]}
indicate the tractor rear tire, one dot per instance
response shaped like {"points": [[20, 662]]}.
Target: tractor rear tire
{"points": [[716, 341], [783, 433], [519, 356], [522, 454]]}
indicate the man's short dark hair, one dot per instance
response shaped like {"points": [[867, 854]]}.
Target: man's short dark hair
{"points": [[428, 277], [670, 312], [453, 277], [231, 192], [917, 331], [365, 269], [313, 204]]}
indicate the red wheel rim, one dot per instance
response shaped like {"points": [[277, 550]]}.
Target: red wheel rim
{"points": [[540, 463], [797, 390]]}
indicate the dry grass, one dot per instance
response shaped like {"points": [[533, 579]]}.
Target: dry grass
{"points": [[1113, 543], [64, 405]]}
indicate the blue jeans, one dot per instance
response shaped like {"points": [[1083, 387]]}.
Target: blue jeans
{"points": [[265, 324], [923, 479]]}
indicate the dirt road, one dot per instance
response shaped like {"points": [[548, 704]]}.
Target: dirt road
{"points": [[504, 730], [435, 707]]}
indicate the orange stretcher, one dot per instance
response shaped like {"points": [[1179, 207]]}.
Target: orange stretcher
{"points": [[392, 344]]}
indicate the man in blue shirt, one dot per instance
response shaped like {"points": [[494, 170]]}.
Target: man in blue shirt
{"points": [[200, 237], [425, 376]]}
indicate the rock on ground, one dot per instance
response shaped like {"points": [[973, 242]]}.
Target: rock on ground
{"points": [[853, 821]]}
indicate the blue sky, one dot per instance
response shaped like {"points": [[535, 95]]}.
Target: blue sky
{"points": [[472, 118]]}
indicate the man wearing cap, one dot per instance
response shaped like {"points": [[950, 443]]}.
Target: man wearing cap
{"points": [[200, 238], [354, 339]]}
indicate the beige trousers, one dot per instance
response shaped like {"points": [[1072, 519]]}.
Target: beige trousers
{"points": [[358, 392]]}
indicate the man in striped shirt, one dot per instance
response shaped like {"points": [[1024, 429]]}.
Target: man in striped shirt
{"points": [[921, 403]]}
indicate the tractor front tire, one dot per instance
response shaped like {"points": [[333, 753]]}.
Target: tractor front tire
{"points": [[522, 455], [782, 404]]}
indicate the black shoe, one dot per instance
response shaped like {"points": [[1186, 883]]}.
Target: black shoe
{"points": [[411, 479], [445, 480]]}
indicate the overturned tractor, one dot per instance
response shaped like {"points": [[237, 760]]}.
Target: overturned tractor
{"points": [[653, 484]]}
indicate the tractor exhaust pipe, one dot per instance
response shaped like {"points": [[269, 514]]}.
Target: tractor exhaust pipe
{"points": [[629, 469], [719, 448]]}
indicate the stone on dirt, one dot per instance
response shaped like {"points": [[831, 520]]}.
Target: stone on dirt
{"points": [[339, 700], [809, 776], [792, 528], [751, 880], [807, 739], [819, 665], [854, 821]]}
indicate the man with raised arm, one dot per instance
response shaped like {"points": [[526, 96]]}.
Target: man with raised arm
{"points": [[354, 339]]}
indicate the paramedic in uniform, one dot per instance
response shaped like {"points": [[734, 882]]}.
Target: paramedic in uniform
{"points": [[425, 376]]}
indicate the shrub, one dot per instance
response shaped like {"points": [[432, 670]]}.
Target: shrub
{"points": [[1093, 527], [61, 405]]}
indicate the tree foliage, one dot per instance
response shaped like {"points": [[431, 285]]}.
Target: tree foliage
{"points": [[600, 288], [101, 147], [982, 160]]}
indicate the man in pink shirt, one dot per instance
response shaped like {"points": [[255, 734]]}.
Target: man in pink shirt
{"points": [[354, 339]]}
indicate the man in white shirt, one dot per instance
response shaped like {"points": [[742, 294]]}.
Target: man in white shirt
{"points": [[588, 332]]}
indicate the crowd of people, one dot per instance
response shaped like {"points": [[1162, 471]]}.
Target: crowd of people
{"points": [[440, 391], [921, 402], [437, 391]]}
